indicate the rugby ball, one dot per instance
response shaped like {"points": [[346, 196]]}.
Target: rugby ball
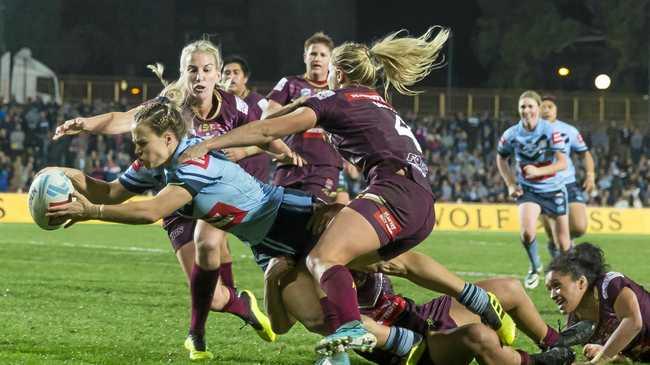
{"points": [[49, 188]]}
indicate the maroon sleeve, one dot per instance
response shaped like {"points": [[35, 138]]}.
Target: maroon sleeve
{"points": [[280, 93], [242, 112], [324, 105], [613, 287]]}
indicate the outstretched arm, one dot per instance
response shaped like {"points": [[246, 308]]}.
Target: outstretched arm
{"points": [[167, 201], [108, 123], [97, 191], [256, 133]]}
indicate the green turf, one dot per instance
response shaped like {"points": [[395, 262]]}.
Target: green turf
{"points": [[112, 294]]}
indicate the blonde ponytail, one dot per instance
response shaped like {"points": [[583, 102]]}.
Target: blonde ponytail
{"points": [[398, 62]]}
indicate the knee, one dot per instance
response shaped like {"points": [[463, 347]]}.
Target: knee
{"points": [[527, 236], [480, 338], [578, 229]]}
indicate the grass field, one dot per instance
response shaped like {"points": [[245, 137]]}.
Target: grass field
{"points": [[112, 294]]}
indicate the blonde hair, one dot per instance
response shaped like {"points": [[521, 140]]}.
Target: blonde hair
{"points": [[179, 91], [162, 114], [319, 38], [398, 62], [532, 95]]}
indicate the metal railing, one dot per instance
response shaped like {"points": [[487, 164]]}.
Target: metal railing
{"points": [[585, 107]]}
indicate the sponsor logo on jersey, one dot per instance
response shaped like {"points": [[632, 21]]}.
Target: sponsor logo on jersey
{"points": [[241, 105], [388, 222]]}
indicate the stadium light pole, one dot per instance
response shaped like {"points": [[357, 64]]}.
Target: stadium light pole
{"points": [[3, 46], [450, 71]]}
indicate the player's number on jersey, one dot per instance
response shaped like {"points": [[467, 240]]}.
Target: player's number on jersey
{"points": [[404, 130]]}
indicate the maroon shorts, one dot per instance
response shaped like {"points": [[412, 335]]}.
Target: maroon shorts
{"points": [[400, 211], [179, 229], [319, 180]]}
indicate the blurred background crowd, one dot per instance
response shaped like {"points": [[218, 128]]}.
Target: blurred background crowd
{"points": [[460, 152]]}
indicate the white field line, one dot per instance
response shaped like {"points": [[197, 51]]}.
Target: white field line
{"points": [[478, 274]]}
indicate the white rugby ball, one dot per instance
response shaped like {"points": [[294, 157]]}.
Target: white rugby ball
{"points": [[49, 188]]}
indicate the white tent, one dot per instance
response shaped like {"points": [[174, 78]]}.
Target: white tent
{"points": [[31, 78]]}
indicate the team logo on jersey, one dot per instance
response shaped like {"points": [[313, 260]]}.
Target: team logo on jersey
{"points": [[534, 149], [388, 222], [241, 105], [201, 162], [305, 92], [225, 216], [557, 137], [324, 94]]}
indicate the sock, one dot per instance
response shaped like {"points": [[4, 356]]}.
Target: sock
{"points": [[237, 305], [331, 319], [227, 279], [550, 339], [338, 284], [552, 250], [474, 298], [533, 255], [401, 340], [202, 284], [525, 358]]}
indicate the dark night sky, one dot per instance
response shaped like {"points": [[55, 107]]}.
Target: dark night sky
{"points": [[460, 15]]}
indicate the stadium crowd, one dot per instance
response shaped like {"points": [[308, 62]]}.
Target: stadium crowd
{"points": [[460, 152]]}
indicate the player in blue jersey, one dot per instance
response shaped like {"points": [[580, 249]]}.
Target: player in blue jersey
{"points": [[539, 157], [396, 211], [207, 109], [577, 202]]}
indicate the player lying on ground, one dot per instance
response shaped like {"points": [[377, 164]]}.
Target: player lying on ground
{"points": [[453, 334], [222, 194], [582, 288]]}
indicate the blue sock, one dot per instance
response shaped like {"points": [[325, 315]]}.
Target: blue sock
{"points": [[533, 254], [552, 250], [474, 298], [401, 340]]}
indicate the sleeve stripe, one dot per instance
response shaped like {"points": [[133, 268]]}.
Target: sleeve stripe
{"points": [[191, 176], [136, 182]]}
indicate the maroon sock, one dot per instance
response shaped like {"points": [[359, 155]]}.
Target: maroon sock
{"points": [[551, 338], [331, 319], [338, 284], [202, 285], [236, 305], [525, 358], [227, 279]]}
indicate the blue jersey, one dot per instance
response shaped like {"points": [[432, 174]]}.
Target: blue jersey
{"points": [[573, 142], [138, 179], [536, 147], [224, 195]]}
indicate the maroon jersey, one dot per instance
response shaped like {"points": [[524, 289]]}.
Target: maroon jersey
{"points": [[229, 112], [258, 165], [368, 132], [312, 144], [609, 287]]}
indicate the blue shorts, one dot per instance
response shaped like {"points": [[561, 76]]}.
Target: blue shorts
{"points": [[576, 195], [553, 203], [289, 235]]}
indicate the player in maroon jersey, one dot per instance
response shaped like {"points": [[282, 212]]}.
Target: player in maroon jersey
{"points": [[395, 212], [201, 249], [320, 176], [582, 287], [235, 69], [450, 332]]}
